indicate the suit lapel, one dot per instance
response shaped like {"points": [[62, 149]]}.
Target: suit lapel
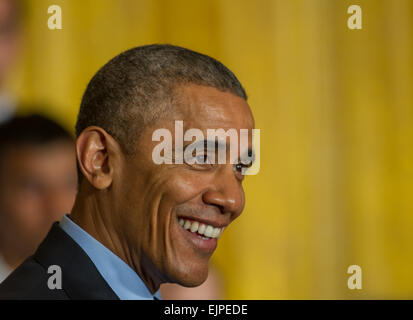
{"points": [[80, 278]]}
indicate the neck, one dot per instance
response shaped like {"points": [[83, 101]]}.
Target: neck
{"points": [[94, 214]]}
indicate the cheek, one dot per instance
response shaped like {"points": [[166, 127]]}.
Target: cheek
{"points": [[178, 189], [186, 186], [23, 206]]}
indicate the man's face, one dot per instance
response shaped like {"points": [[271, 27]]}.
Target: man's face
{"points": [[37, 186], [158, 199]]}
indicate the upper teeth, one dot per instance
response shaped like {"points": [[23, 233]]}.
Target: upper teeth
{"points": [[203, 229]]}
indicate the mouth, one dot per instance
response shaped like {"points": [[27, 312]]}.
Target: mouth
{"points": [[202, 235]]}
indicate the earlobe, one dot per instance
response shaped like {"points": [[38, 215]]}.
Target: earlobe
{"points": [[93, 157]]}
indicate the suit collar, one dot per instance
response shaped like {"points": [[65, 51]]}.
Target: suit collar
{"points": [[80, 278]]}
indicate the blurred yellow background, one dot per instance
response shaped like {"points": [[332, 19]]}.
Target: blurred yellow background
{"points": [[335, 109]]}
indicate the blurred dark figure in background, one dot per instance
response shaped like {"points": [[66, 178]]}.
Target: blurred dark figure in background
{"points": [[38, 181], [9, 45]]}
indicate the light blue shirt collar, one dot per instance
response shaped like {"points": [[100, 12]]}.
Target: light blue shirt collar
{"points": [[123, 280]]}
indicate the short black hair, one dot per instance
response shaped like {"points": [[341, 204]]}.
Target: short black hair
{"points": [[31, 130], [137, 86]]}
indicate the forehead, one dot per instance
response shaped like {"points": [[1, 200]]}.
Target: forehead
{"points": [[206, 107]]}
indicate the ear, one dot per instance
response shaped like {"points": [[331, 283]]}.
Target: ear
{"points": [[96, 152]]}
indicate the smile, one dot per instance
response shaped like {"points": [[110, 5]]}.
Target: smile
{"points": [[204, 231]]}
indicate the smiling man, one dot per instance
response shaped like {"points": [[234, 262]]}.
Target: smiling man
{"points": [[137, 224]]}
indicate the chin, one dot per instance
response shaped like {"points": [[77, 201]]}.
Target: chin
{"points": [[191, 277], [193, 282]]}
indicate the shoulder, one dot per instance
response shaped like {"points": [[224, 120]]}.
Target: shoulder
{"points": [[29, 281]]}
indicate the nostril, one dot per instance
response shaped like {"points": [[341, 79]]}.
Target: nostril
{"points": [[221, 208], [215, 199]]}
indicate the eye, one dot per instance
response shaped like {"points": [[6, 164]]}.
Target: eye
{"points": [[203, 159], [200, 160]]}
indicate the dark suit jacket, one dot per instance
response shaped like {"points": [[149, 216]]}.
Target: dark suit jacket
{"points": [[80, 278]]}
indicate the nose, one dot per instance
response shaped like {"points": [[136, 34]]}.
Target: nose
{"points": [[226, 193]]}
